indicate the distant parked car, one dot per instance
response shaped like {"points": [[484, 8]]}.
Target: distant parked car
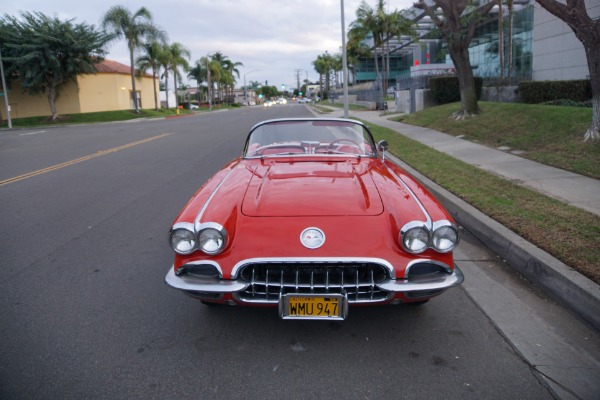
{"points": [[304, 100]]}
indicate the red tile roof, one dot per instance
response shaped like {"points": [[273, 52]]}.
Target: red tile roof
{"points": [[113, 67]]}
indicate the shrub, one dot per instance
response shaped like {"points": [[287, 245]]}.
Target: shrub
{"points": [[534, 92], [445, 89]]}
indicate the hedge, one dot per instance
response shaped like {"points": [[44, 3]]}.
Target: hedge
{"points": [[445, 89], [534, 92]]}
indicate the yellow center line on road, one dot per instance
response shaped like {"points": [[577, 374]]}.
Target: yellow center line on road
{"points": [[78, 160]]}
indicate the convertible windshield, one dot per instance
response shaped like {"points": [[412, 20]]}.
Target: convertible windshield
{"points": [[309, 136]]}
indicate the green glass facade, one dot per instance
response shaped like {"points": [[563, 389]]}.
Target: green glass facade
{"points": [[483, 52]]}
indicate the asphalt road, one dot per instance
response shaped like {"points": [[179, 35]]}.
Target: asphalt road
{"points": [[84, 312]]}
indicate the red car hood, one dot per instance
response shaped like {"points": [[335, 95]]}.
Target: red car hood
{"points": [[311, 188]]}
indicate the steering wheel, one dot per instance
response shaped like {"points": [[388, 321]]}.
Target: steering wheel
{"points": [[352, 142]]}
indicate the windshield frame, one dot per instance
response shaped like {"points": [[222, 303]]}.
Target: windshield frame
{"points": [[367, 139]]}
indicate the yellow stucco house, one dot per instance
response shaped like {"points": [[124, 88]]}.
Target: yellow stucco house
{"points": [[108, 90]]}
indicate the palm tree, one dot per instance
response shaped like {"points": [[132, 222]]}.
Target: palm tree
{"points": [[150, 59], [199, 73], [229, 68], [164, 60], [134, 27], [178, 58], [324, 64], [367, 24], [213, 74]]}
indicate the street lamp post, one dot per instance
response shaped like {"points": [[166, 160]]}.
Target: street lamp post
{"points": [[344, 62]]}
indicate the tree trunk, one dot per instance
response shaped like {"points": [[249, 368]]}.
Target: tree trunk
{"points": [[167, 86], [52, 102], [468, 93], [175, 88], [154, 87], [592, 51], [133, 89]]}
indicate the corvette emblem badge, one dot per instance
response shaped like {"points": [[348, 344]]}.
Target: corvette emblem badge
{"points": [[312, 238]]}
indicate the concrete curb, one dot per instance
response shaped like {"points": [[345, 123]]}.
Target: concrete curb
{"points": [[566, 286]]}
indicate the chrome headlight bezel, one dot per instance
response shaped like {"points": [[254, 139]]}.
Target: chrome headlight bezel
{"points": [[415, 233], [180, 234], [212, 238], [416, 237], [444, 232]]}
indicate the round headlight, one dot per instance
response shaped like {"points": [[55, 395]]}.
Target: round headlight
{"points": [[445, 239], [416, 239], [183, 241], [211, 240]]}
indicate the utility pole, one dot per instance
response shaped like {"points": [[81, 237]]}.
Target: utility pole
{"points": [[208, 84], [344, 63], [5, 92]]}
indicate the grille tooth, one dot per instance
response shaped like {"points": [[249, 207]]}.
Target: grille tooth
{"points": [[268, 281]]}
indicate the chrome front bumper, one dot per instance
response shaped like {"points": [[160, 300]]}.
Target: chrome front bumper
{"points": [[214, 284]]}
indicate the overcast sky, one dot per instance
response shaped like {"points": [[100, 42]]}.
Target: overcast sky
{"points": [[274, 39]]}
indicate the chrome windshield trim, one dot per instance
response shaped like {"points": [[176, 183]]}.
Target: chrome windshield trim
{"points": [[309, 155], [197, 222], [326, 260], [414, 196]]}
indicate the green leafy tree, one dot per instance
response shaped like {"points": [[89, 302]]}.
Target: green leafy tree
{"points": [[457, 23], [150, 60], [198, 73], [178, 58], [367, 24], [134, 28], [224, 70], [324, 66], [231, 71], [165, 60], [268, 91], [47, 53]]}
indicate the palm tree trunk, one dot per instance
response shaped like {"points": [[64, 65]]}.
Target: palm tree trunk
{"points": [[175, 88], [133, 88], [167, 86], [154, 87]]}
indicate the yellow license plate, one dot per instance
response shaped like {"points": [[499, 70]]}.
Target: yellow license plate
{"points": [[309, 306]]}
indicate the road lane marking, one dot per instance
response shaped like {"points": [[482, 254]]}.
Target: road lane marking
{"points": [[31, 133], [78, 160]]}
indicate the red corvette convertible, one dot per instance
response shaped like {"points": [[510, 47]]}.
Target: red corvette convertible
{"points": [[312, 219]]}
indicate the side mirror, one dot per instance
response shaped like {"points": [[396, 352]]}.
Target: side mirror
{"points": [[382, 146]]}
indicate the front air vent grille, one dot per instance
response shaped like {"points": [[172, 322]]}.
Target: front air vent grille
{"points": [[356, 279]]}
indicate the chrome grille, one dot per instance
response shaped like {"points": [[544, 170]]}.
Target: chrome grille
{"points": [[356, 279]]}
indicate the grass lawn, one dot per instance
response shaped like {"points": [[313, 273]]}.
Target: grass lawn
{"points": [[551, 135]]}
